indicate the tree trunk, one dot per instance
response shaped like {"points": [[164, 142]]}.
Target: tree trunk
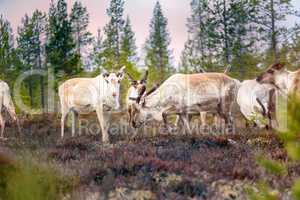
{"points": [[273, 31], [41, 81], [226, 40]]}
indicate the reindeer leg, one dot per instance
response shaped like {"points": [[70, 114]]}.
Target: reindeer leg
{"points": [[186, 123], [203, 118], [62, 123], [169, 111], [74, 122], [103, 124], [19, 126], [2, 124]]}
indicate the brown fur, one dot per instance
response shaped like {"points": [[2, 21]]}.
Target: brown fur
{"points": [[196, 80], [278, 66]]}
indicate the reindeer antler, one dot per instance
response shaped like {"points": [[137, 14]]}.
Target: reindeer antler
{"points": [[145, 77], [131, 79], [228, 68]]}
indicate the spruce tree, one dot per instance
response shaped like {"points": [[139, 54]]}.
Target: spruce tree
{"points": [[80, 21], [189, 58], [25, 51], [30, 49], [157, 49], [113, 32], [97, 54], [6, 46], [60, 46], [39, 28], [200, 46], [128, 46], [272, 14]]}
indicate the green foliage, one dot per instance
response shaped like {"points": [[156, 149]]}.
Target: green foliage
{"points": [[60, 44], [24, 180], [29, 50], [79, 21], [96, 55], [264, 193], [6, 46], [272, 166], [158, 54], [290, 138], [271, 15], [111, 54], [128, 46], [296, 189]]}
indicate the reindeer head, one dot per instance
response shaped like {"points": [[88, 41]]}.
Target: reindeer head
{"points": [[114, 80], [271, 74], [137, 88], [139, 113]]}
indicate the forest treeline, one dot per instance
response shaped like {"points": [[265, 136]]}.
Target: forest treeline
{"points": [[240, 36]]}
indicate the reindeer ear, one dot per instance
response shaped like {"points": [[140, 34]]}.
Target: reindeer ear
{"points": [[105, 73], [278, 66], [121, 72]]}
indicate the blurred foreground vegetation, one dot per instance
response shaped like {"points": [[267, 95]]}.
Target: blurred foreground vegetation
{"points": [[291, 142], [27, 180]]}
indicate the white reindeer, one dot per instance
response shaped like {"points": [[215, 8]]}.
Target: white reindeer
{"points": [[7, 103], [98, 94], [138, 89], [186, 94], [255, 101]]}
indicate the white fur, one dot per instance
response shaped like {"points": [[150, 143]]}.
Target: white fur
{"points": [[90, 94], [249, 91], [175, 96], [6, 101]]}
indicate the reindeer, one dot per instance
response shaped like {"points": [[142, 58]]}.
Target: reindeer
{"points": [[135, 92], [138, 89], [186, 94], [7, 103], [278, 76], [255, 102], [100, 94]]}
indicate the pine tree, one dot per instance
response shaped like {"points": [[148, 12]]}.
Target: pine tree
{"points": [[189, 59], [157, 45], [39, 28], [25, 51], [30, 49], [60, 46], [6, 46], [128, 46], [199, 48], [80, 21], [97, 54], [272, 14], [113, 32]]}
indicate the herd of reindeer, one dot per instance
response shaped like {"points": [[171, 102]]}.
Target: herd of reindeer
{"points": [[181, 95]]}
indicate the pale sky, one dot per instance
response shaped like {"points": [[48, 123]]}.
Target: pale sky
{"points": [[140, 12]]}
